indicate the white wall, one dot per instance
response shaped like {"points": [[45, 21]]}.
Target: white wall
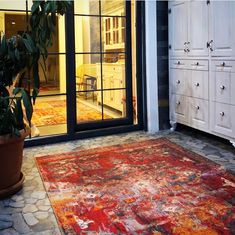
{"points": [[151, 65]]}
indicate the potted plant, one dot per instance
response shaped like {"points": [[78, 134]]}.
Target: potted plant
{"points": [[19, 86]]}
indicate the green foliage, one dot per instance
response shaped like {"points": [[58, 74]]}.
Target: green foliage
{"points": [[19, 65]]}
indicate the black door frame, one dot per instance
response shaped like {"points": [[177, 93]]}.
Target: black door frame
{"points": [[121, 126]]}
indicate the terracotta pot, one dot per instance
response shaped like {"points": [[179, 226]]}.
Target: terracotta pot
{"points": [[11, 155]]}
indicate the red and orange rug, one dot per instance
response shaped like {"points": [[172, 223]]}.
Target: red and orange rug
{"points": [[148, 187], [53, 112]]}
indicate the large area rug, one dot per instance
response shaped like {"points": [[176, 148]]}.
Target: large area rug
{"points": [[148, 187], [53, 112]]}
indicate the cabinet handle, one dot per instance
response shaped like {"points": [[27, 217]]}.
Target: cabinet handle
{"points": [[178, 62], [178, 102], [185, 47], [197, 84], [197, 107], [178, 81], [222, 87], [221, 114], [197, 63], [223, 64], [209, 45]]}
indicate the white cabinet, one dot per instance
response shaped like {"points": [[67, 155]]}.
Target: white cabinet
{"points": [[189, 102], [178, 35], [198, 113], [188, 32], [202, 66], [180, 111], [113, 79], [198, 28], [222, 119], [114, 33], [223, 82], [222, 28]]}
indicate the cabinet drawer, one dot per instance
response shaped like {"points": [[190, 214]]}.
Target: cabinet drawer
{"points": [[199, 113], [179, 64], [179, 81], [199, 65], [223, 65], [222, 119], [179, 108], [199, 84], [223, 87]]}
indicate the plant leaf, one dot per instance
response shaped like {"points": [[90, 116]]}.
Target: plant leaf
{"points": [[27, 105]]}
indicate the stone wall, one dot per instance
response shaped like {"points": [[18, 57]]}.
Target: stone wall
{"points": [[162, 64]]}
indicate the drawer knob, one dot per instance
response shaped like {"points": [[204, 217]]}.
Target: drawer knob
{"points": [[221, 114], [223, 64], [178, 81], [178, 62], [197, 63], [197, 107], [222, 87], [197, 84], [178, 102]]}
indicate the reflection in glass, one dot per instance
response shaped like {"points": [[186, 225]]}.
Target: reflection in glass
{"points": [[113, 34], [49, 116], [87, 34], [86, 7], [12, 23], [115, 103], [53, 76], [87, 71], [88, 109], [113, 69], [113, 7]]}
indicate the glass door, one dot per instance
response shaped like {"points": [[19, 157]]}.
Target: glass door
{"points": [[103, 63]]}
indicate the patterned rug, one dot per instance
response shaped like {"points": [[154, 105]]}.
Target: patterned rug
{"points": [[53, 112], [148, 187]]}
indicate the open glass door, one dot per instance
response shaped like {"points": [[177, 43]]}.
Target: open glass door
{"points": [[103, 63]]}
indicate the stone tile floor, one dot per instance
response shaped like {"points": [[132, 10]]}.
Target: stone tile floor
{"points": [[29, 211]]}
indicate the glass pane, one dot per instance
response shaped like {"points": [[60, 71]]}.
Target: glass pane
{"points": [[86, 7], [114, 103], [88, 72], [58, 45], [133, 47], [12, 23], [88, 107], [15, 4], [113, 70], [113, 34], [49, 116], [113, 7], [53, 77], [87, 34]]}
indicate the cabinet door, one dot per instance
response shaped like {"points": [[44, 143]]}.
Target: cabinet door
{"points": [[178, 27], [223, 82], [179, 109], [179, 81], [222, 120], [199, 113], [199, 84], [222, 28], [198, 30]]}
